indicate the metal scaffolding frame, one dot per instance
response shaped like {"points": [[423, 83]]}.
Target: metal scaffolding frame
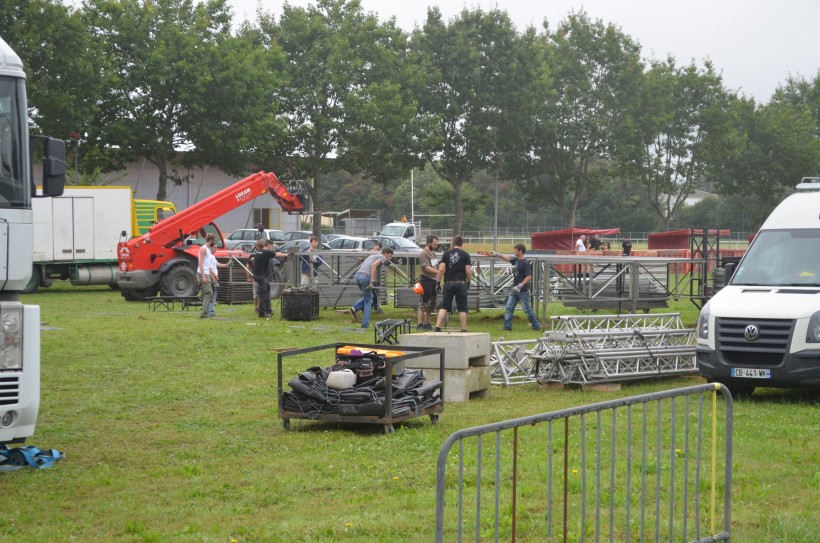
{"points": [[622, 284]]}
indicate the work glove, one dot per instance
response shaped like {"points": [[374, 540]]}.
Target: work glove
{"points": [[517, 288], [438, 288], [493, 253], [371, 285]]}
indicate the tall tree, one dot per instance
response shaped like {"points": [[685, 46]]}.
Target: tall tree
{"points": [[62, 65], [177, 82], [480, 77], [345, 103], [596, 69], [781, 144], [684, 124]]}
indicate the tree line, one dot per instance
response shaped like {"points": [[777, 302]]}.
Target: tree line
{"points": [[566, 119]]}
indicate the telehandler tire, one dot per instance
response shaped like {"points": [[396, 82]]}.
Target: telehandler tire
{"points": [[180, 280]]}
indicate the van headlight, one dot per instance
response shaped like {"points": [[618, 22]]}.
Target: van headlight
{"points": [[813, 333], [703, 322], [11, 355]]}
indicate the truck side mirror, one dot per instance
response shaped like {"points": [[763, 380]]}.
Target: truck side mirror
{"points": [[53, 165]]}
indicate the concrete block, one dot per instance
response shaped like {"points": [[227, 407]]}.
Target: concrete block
{"points": [[462, 350], [461, 385]]}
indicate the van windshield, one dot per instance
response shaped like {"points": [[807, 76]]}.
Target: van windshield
{"points": [[393, 230], [782, 258]]}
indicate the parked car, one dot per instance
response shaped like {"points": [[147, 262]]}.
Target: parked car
{"points": [[398, 244], [302, 244], [348, 243], [303, 234], [245, 238]]}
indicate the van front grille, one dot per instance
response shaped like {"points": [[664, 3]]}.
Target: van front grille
{"points": [[771, 345]]}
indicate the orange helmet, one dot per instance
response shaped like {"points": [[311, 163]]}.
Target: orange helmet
{"points": [[418, 289]]}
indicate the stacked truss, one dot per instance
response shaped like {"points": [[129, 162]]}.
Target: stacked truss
{"points": [[598, 349]]}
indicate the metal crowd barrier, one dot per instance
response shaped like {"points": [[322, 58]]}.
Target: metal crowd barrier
{"points": [[655, 467]]}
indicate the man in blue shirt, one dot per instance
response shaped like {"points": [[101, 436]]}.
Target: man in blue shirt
{"points": [[310, 264], [521, 290]]}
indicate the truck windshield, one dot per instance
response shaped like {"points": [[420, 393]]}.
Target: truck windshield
{"points": [[782, 258], [14, 190]]}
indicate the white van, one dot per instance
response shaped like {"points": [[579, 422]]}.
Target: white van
{"points": [[763, 328], [407, 230]]}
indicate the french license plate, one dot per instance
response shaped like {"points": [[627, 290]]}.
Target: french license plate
{"points": [[752, 373]]}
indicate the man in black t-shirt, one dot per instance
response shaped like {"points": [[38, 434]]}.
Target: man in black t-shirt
{"points": [[594, 243], [456, 269], [261, 259], [626, 246]]}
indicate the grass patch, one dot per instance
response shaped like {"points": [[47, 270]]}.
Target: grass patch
{"points": [[170, 431]]}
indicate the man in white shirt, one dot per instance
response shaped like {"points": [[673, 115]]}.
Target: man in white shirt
{"points": [[579, 245]]}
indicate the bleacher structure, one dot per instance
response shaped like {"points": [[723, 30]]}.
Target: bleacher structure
{"points": [[596, 349]]}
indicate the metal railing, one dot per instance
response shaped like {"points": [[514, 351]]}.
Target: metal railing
{"points": [[655, 467]]}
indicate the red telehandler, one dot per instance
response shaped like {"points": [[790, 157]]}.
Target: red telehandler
{"points": [[165, 258]]}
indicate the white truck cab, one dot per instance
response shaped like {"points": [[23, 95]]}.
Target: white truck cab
{"points": [[19, 322], [763, 328]]}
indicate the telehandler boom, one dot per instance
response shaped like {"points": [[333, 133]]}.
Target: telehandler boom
{"points": [[165, 258]]}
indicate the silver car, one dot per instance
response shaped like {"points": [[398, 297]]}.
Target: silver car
{"points": [[348, 243], [245, 238]]}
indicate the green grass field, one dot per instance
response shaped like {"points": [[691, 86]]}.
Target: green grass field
{"points": [[170, 432]]}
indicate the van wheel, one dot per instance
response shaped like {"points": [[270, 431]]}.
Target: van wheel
{"points": [[180, 280]]}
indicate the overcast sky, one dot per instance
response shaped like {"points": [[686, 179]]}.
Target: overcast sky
{"points": [[754, 44]]}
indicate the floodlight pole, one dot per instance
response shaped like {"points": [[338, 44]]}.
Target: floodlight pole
{"points": [[495, 228], [412, 198]]}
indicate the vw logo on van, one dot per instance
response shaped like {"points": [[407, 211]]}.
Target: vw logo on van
{"points": [[751, 332]]}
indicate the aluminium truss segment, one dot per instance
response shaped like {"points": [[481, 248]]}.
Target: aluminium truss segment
{"points": [[510, 362], [617, 323]]}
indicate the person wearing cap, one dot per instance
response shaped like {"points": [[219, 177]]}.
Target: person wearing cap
{"points": [[520, 292]]}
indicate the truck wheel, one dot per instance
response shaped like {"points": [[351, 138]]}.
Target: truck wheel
{"points": [[180, 280], [34, 282]]}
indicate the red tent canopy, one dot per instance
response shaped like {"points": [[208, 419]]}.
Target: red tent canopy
{"points": [[565, 239], [679, 239]]}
